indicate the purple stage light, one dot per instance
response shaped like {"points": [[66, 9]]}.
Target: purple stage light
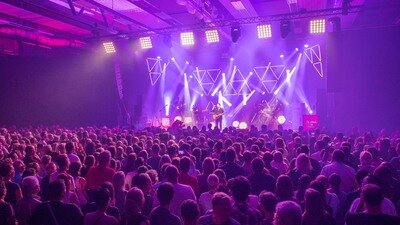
{"points": [[109, 47], [232, 59], [281, 56], [145, 42], [317, 26], [264, 31], [212, 36], [306, 46], [187, 38]]}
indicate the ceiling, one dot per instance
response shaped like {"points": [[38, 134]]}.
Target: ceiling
{"points": [[84, 20]]}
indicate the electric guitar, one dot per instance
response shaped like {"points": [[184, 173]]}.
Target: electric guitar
{"points": [[217, 116]]}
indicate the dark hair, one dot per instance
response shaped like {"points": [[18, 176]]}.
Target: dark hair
{"points": [[372, 194], [338, 156], [56, 189], [165, 193], [230, 155], [171, 173], [69, 147], [74, 169], [190, 210], [184, 164], [101, 197], [257, 165], [284, 188], [335, 180], [62, 161], [240, 188], [268, 200]]}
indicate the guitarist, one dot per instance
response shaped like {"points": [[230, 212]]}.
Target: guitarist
{"points": [[217, 113]]}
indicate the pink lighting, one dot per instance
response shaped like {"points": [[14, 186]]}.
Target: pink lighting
{"points": [[212, 36], [187, 38], [145, 42], [317, 26], [109, 47], [264, 31]]}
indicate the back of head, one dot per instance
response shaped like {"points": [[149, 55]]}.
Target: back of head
{"points": [[338, 156], [190, 210], [372, 195], [221, 204], [284, 188], [165, 193], [134, 200], [104, 158], [314, 204], [118, 179], [102, 197], [240, 188], [268, 201], [171, 173], [335, 180], [208, 165], [257, 165], [288, 213], [56, 190], [230, 155], [212, 181], [184, 164], [69, 147], [30, 185]]}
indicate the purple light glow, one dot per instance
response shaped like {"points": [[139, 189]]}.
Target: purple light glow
{"points": [[187, 38], [317, 26], [264, 31], [145, 42], [212, 36]]}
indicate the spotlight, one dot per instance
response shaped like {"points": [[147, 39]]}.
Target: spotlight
{"points": [[109, 47], [297, 49], [212, 36], [232, 59], [202, 95], [243, 125], [235, 33], [187, 38], [145, 42], [187, 62], [173, 58], [281, 56], [191, 76], [263, 93], [281, 119], [264, 31], [158, 57], [178, 118], [285, 28], [317, 26], [306, 46], [235, 124]]}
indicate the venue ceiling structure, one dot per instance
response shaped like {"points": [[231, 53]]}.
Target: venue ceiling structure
{"points": [[82, 21]]}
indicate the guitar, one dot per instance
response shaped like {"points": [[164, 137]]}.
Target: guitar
{"points": [[217, 116]]}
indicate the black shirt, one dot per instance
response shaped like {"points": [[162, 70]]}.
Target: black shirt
{"points": [[232, 170], [260, 182], [163, 216], [369, 219], [64, 213], [12, 188]]}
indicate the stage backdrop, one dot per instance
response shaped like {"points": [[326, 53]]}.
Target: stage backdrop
{"points": [[363, 75], [69, 90]]}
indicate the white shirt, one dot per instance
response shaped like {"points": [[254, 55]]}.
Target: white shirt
{"points": [[345, 172], [182, 193], [387, 207], [205, 201]]}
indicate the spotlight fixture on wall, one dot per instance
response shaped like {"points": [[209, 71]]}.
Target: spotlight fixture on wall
{"points": [[264, 31], [109, 47], [317, 26], [187, 38], [235, 33], [285, 28], [212, 36], [145, 42]]}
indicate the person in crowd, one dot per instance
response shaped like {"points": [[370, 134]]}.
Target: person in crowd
{"points": [[190, 212], [63, 164], [205, 198], [80, 182], [23, 209], [267, 158], [346, 173], [101, 173], [278, 162], [221, 213], [69, 196], [302, 166], [55, 211], [161, 214], [208, 168], [303, 183], [118, 182], [287, 213], [231, 168], [260, 180], [7, 216], [100, 217], [13, 190], [19, 167], [182, 192], [154, 159], [314, 210], [70, 150], [241, 210], [268, 202], [372, 198], [144, 183], [133, 208], [184, 177], [284, 189]]}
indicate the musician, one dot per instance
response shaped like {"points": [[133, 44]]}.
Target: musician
{"points": [[217, 113]]}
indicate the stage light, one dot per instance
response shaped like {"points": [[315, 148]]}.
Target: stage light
{"points": [[173, 58], [187, 62], [281, 119], [281, 56], [235, 124], [212, 36], [285, 28], [264, 31], [306, 46], [187, 38], [263, 93], [178, 118], [191, 76], [297, 49], [235, 33], [243, 125], [317, 26], [158, 57], [202, 95], [109, 47], [165, 122], [145, 42], [232, 59]]}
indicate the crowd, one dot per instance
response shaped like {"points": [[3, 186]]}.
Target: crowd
{"points": [[190, 176]]}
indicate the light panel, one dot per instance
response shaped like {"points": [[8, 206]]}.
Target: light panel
{"points": [[145, 42], [187, 38], [264, 31], [212, 36], [109, 47], [317, 26]]}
